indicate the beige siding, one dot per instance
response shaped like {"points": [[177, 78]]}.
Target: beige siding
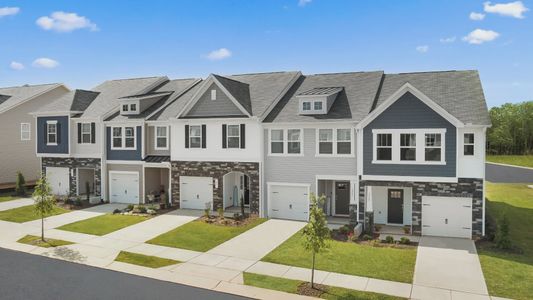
{"points": [[129, 168], [150, 142], [17, 155], [85, 150]]}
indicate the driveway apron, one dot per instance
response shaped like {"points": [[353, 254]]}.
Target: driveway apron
{"points": [[449, 263]]}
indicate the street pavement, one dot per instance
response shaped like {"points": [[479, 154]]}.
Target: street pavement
{"points": [[507, 174]]}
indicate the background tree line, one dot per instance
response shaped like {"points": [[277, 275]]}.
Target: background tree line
{"points": [[512, 129]]}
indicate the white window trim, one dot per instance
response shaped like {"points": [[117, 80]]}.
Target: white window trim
{"points": [[310, 105], [89, 133], [123, 137], [469, 144], [409, 147], [213, 94], [23, 131], [190, 137], [286, 142], [48, 123], [158, 136], [334, 141], [228, 136], [420, 146]]}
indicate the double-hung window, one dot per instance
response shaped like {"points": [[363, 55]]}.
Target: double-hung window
{"points": [[51, 133], [161, 137], [276, 141], [408, 146], [286, 141], [433, 147], [293, 141], [325, 141], [233, 136], [335, 141], [117, 137], [123, 138], [195, 136], [468, 144], [25, 131], [344, 141], [85, 133], [129, 137], [384, 146]]}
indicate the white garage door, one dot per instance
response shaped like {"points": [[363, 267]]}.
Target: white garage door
{"points": [[124, 187], [59, 180], [289, 202], [196, 192], [447, 216]]}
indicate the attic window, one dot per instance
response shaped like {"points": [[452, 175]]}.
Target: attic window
{"points": [[306, 106], [213, 94], [318, 105], [125, 107], [133, 107]]}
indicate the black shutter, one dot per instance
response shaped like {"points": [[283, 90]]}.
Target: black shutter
{"points": [[224, 135], [58, 130], [204, 136], [45, 131], [93, 131], [79, 133], [243, 134], [186, 136]]}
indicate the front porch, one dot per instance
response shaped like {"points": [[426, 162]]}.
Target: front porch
{"points": [[391, 208], [156, 184]]}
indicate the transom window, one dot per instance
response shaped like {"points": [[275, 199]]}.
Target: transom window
{"points": [[433, 147], [123, 138], [25, 131], [306, 105], [407, 146], [51, 133], [468, 144], [286, 141], [234, 136], [384, 146], [335, 141], [195, 136], [86, 133], [161, 138]]}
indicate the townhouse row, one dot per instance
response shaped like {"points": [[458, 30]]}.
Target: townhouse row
{"points": [[396, 149]]}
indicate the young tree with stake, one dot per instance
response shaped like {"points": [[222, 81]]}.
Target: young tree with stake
{"points": [[44, 200]]}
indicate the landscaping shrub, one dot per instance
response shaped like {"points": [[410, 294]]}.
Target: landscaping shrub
{"points": [[238, 217], [405, 241], [502, 239], [142, 209], [366, 237], [117, 211], [130, 207], [78, 202], [207, 209], [389, 239], [220, 212], [20, 185]]}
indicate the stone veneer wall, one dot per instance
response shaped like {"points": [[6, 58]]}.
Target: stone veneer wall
{"points": [[74, 163], [465, 187], [217, 170]]}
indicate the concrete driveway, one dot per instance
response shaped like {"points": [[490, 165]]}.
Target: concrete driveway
{"points": [[450, 264]]}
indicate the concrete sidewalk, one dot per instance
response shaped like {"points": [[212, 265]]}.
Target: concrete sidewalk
{"points": [[15, 203]]}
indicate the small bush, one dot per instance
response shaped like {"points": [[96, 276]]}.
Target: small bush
{"points": [[366, 237], [117, 211], [207, 209], [78, 201], [389, 239], [220, 212], [344, 229], [405, 241], [20, 186], [502, 239], [130, 207], [238, 217], [142, 209]]}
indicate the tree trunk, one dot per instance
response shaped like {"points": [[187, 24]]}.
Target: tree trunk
{"points": [[313, 272], [42, 228]]}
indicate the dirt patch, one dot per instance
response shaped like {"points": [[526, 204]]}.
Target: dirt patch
{"points": [[305, 289]]}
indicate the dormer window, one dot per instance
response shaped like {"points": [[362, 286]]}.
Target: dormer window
{"points": [[317, 101], [213, 95], [133, 107], [318, 105], [125, 107], [306, 106]]}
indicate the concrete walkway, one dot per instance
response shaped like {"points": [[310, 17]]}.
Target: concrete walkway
{"points": [[450, 264], [15, 203]]}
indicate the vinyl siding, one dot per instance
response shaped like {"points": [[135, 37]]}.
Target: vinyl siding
{"points": [[406, 113], [150, 142], [63, 145], [129, 168], [222, 106], [85, 150], [125, 154]]}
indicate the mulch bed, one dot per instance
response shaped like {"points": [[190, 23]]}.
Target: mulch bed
{"points": [[73, 206], [225, 221], [305, 289]]}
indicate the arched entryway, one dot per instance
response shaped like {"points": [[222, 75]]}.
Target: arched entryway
{"points": [[236, 188]]}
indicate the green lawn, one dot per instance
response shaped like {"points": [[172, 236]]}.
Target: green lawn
{"points": [[510, 275], [517, 160], [103, 224], [349, 258], [26, 214], [7, 197], [200, 236], [144, 260], [48, 243], [291, 286]]}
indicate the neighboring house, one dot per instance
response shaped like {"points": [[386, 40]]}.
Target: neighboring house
{"points": [[17, 126], [400, 150]]}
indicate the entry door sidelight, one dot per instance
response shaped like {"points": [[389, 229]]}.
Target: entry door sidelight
{"points": [[395, 206]]}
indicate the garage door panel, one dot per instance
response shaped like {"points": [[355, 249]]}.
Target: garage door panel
{"points": [[195, 192], [447, 216], [124, 188], [289, 202], [59, 180]]}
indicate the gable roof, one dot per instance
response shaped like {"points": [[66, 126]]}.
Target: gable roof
{"points": [[458, 92], [73, 101], [13, 96], [353, 102], [239, 90], [172, 109]]}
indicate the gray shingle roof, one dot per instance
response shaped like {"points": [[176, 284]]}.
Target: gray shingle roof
{"points": [[458, 92], [174, 107], [353, 103], [112, 90], [322, 91], [19, 94], [239, 90], [77, 100]]}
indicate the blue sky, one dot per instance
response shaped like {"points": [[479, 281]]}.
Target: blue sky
{"points": [[88, 42]]}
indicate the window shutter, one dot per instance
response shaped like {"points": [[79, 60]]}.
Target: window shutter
{"points": [[58, 130], [224, 136], [79, 133], [186, 136], [45, 131], [204, 136], [93, 131], [243, 135]]}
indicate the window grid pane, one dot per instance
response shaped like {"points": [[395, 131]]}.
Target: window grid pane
{"points": [[195, 136], [318, 105], [306, 105]]}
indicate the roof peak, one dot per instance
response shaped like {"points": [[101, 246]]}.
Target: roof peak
{"points": [[29, 85]]}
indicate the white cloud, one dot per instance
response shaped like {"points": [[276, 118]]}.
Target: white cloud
{"points": [[8, 11], [46, 63], [448, 40], [219, 54], [303, 2], [422, 49], [512, 9], [480, 36], [16, 66], [65, 22], [477, 16]]}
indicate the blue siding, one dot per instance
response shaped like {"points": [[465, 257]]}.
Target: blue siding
{"points": [[409, 112], [62, 145], [124, 154]]}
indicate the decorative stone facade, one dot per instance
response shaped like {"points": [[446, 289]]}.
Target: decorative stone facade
{"points": [[465, 187], [217, 170], [73, 164]]}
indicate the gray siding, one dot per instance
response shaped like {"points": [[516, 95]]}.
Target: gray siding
{"points": [[409, 112], [150, 142], [223, 106], [63, 128], [124, 154]]}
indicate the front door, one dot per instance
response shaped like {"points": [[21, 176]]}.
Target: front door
{"points": [[246, 189], [395, 207], [342, 197]]}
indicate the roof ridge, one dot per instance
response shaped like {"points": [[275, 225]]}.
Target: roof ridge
{"points": [[189, 78], [30, 85], [426, 72], [135, 78], [216, 75], [340, 73], [262, 73]]}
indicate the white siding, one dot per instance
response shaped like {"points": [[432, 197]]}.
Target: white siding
{"points": [[471, 166]]}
